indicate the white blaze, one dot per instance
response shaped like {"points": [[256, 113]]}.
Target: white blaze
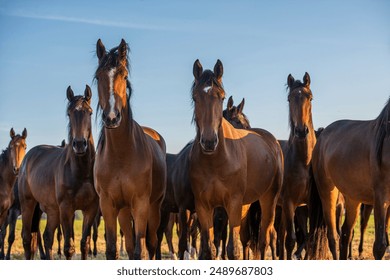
{"points": [[111, 75], [206, 89]]}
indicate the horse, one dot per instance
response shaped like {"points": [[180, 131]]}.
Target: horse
{"points": [[130, 167], [297, 153], [60, 180], [10, 160], [353, 157], [229, 167]]}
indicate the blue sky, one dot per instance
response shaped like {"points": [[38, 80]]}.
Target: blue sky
{"points": [[47, 45]]}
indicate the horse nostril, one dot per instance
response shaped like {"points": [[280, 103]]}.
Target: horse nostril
{"points": [[306, 130], [118, 115], [85, 143]]}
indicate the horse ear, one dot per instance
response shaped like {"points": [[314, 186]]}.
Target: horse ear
{"points": [[12, 133], [24, 133], [87, 93], [218, 70], [197, 69], [306, 79], [100, 49], [290, 80], [230, 103], [240, 106], [69, 93], [122, 50]]}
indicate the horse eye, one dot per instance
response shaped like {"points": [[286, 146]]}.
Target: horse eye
{"points": [[125, 77]]}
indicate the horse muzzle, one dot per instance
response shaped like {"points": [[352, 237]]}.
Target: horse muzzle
{"points": [[301, 133], [80, 146], [209, 146], [112, 120]]}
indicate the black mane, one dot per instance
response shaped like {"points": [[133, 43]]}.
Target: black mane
{"points": [[381, 131]]}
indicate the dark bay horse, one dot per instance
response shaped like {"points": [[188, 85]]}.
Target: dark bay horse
{"points": [[60, 180], [10, 160], [229, 167], [130, 168], [353, 157], [297, 153]]}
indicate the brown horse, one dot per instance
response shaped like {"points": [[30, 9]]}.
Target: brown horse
{"points": [[297, 153], [229, 167], [130, 168], [353, 157], [10, 160], [60, 180]]}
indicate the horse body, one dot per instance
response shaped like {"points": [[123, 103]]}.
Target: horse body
{"points": [[229, 167], [10, 160], [60, 180], [297, 153], [130, 168], [353, 157]]}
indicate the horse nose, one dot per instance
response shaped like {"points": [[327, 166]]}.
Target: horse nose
{"points": [[209, 144], [16, 170], [79, 146], [112, 119], [301, 132]]}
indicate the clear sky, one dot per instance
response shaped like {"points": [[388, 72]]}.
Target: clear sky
{"points": [[47, 45]]}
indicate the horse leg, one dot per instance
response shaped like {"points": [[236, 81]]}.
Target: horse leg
{"points": [[125, 222], [288, 217], [169, 235], [13, 216], [205, 217], [351, 213], [380, 210], [165, 215], [59, 238], [194, 227], [66, 216], [27, 209], [365, 213], [234, 211], [153, 224], [184, 232], [88, 220], [3, 230], [48, 235], [140, 215], [301, 217], [220, 224], [95, 232], [110, 215], [268, 205], [245, 232]]}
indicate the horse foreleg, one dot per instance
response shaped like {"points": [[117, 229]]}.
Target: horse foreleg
{"points": [[48, 235], [365, 213], [165, 215], [268, 205], [110, 215], [351, 213], [153, 224], [205, 217], [140, 215], [234, 211], [380, 209], [169, 235], [66, 216], [27, 209], [88, 220], [329, 201], [12, 217], [125, 222]]}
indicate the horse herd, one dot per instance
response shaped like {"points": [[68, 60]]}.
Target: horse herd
{"points": [[237, 184]]}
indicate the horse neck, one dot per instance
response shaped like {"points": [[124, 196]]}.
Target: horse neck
{"points": [[303, 149], [117, 140], [82, 165], [7, 176]]}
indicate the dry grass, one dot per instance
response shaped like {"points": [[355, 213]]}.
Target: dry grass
{"points": [[17, 249]]}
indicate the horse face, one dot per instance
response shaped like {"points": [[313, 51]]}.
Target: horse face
{"points": [[17, 148], [208, 96], [235, 116], [79, 112], [299, 99], [112, 82]]}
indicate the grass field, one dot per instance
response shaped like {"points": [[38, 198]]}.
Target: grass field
{"points": [[17, 249]]}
